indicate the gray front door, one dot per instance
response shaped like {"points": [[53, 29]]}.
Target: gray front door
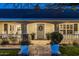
{"points": [[40, 31]]}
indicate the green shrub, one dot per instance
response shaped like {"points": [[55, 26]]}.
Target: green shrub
{"points": [[75, 43], [12, 39], [4, 42], [48, 36], [56, 37]]}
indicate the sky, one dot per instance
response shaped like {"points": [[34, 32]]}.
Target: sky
{"points": [[19, 6], [23, 11], [27, 5]]}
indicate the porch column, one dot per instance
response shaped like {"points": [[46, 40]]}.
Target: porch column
{"points": [[24, 28], [56, 28], [24, 31]]}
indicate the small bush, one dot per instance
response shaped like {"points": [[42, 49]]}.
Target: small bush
{"points": [[75, 43], [4, 42], [48, 36], [64, 44], [13, 39], [56, 37]]}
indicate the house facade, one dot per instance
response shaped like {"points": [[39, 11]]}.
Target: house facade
{"points": [[69, 29]]}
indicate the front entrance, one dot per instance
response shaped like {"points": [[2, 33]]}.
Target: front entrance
{"points": [[40, 31]]}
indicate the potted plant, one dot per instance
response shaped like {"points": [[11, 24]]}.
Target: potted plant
{"points": [[33, 36], [48, 36], [24, 48], [56, 38]]}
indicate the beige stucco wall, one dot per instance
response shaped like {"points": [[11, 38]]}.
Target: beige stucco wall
{"points": [[14, 24], [49, 28], [32, 28], [78, 27], [1, 28]]}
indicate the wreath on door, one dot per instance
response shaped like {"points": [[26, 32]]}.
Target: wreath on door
{"points": [[40, 28]]}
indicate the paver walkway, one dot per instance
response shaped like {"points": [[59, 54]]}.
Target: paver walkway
{"points": [[40, 50]]}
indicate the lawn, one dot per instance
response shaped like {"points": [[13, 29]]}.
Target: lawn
{"points": [[65, 50], [69, 50], [9, 52]]}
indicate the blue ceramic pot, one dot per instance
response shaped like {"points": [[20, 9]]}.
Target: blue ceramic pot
{"points": [[55, 49], [24, 50]]}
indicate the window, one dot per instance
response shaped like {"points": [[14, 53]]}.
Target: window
{"points": [[60, 26], [75, 27], [69, 31], [67, 26], [71, 26], [64, 26], [5, 27], [64, 31]]}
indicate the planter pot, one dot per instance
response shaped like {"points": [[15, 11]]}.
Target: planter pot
{"points": [[55, 49], [24, 50]]}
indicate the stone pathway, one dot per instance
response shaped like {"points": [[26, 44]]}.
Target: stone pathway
{"points": [[39, 50]]}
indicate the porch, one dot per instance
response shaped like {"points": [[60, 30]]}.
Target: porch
{"points": [[39, 31]]}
